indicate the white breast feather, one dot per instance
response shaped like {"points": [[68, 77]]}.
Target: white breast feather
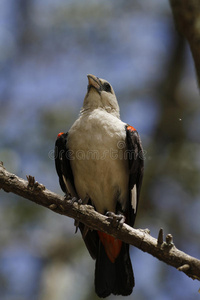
{"points": [[107, 175]]}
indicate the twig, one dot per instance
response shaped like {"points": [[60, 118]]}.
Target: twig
{"points": [[164, 251]]}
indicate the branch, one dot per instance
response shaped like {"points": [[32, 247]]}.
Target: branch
{"points": [[186, 16], [164, 251]]}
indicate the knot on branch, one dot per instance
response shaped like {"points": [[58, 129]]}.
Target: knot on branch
{"points": [[34, 185], [1, 165], [169, 240], [160, 237], [184, 268], [53, 206]]}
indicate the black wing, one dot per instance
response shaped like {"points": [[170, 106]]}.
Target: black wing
{"points": [[66, 179], [135, 157], [63, 167]]}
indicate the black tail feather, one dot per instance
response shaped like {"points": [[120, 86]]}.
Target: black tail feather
{"points": [[114, 278]]}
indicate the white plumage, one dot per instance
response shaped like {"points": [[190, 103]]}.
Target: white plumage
{"points": [[97, 142]]}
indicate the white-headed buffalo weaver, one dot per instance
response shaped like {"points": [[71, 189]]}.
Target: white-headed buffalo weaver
{"points": [[100, 161]]}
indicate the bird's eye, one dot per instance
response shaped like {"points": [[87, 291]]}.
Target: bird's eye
{"points": [[107, 87]]}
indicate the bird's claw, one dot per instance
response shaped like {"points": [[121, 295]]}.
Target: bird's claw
{"points": [[67, 197], [115, 220], [76, 199], [76, 224], [80, 202], [73, 200]]}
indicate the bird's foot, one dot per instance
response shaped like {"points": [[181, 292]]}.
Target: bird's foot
{"points": [[73, 200], [79, 201], [115, 220], [67, 197], [76, 199]]}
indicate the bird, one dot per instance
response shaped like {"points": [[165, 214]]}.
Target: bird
{"points": [[100, 161]]}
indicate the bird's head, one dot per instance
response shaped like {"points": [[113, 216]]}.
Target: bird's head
{"points": [[101, 95]]}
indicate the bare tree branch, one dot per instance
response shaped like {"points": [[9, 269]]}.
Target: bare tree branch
{"points": [[187, 19], [164, 251]]}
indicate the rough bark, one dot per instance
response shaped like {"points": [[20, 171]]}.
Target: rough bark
{"points": [[163, 250]]}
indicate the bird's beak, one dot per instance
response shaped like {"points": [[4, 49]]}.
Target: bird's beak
{"points": [[94, 81]]}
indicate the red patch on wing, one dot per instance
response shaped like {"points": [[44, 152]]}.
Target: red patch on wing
{"points": [[59, 135], [112, 246], [131, 128]]}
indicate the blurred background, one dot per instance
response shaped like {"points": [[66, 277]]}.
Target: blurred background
{"points": [[46, 50]]}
